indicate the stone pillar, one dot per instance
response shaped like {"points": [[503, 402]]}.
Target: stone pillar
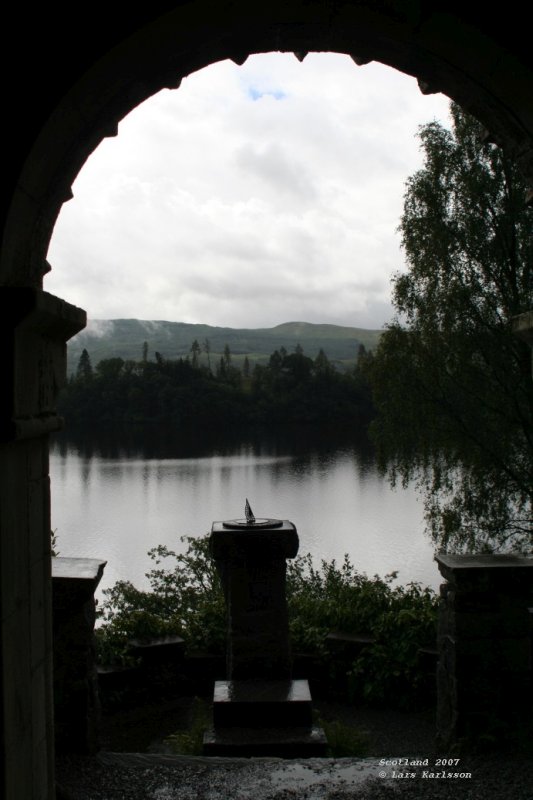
{"points": [[34, 327], [252, 565], [484, 673], [76, 704]]}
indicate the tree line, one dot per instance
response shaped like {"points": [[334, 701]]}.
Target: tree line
{"points": [[193, 391]]}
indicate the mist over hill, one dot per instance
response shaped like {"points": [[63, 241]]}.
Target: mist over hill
{"points": [[125, 338]]}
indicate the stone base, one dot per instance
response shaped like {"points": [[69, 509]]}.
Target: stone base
{"points": [[262, 704], [275, 742], [264, 718]]}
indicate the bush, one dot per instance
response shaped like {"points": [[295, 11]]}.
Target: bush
{"points": [[187, 599], [400, 620]]}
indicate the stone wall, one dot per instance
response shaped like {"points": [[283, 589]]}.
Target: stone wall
{"points": [[484, 673], [76, 704]]}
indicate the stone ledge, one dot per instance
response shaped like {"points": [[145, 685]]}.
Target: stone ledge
{"points": [[273, 742], [74, 580], [31, 427], [453, 567], [35, 328], [80, 569], [40, 312]]}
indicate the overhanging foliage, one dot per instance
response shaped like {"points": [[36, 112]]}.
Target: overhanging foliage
{"points": [[452, 384]]}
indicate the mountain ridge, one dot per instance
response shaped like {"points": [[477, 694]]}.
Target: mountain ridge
{"points": [[125, 338]]}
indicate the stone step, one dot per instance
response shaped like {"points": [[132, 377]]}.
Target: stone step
{"points": [[262, 704], [274, 742]]}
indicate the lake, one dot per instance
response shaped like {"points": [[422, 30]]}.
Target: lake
{"points": [[114, 498]]}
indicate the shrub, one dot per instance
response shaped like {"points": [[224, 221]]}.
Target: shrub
{"points": [[187, 599], [400, 619]]}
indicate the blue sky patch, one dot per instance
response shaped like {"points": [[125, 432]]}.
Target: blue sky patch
{"points": [[257, 94]]}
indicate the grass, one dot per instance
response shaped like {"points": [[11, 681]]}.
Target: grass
{"points": [[190, 741], [344, 741]]}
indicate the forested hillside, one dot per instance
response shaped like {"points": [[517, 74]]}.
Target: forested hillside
{"points": [[126, 338], [290, 388]]}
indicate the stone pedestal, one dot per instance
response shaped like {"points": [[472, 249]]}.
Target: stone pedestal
{"points": [[252, 566], [259, 710], [484, 672], [76, 704]]}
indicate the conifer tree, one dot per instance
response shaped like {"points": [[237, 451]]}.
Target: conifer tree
{"points": [[84, 371]]}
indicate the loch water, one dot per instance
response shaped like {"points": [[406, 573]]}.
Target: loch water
{"points": [[116, 496]]}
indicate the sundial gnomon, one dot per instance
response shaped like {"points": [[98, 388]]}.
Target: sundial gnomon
{"points": [[250, 522]]}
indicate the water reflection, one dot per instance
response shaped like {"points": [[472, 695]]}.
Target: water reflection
{"points": [[116, 497]]}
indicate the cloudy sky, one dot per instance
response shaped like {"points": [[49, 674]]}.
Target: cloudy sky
{"points": [[251, 196]]}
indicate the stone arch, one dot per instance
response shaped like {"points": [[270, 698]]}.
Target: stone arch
{"points": [[74, 89], [445, 50]]}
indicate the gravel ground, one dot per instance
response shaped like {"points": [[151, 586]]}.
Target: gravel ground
{"points": [[152, 777], [391, 735]]}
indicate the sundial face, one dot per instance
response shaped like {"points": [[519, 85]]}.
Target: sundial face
{"points": [[250, 522], [259, 523]]}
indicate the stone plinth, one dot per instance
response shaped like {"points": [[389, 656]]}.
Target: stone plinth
{"points": [[264, 718], [262, 704], [76, 705], [252, 566], [484, 672]]}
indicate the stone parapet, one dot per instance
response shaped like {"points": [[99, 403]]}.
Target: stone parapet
{"points": [[76, 704], [484, 672]]}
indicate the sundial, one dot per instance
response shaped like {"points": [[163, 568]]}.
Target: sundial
{"points": [[250, 522]]}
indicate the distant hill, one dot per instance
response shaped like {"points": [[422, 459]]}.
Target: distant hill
{"points": [[125, 338]]}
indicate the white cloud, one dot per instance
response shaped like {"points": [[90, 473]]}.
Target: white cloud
{"points": [[248, 197]]}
